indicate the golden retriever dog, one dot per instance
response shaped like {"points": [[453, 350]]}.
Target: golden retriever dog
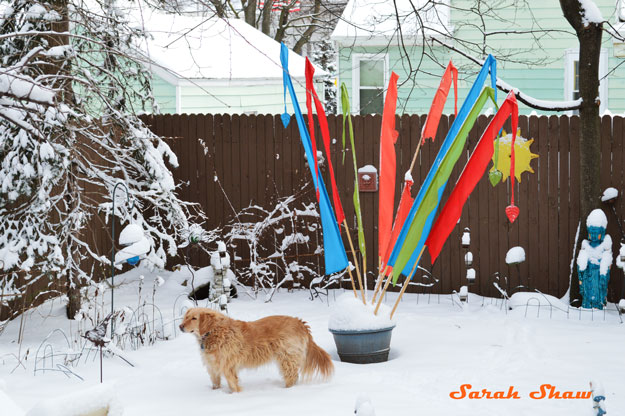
{"points": [[228, 345]]}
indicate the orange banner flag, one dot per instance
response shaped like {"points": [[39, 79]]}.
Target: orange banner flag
{"points": [[434, 116], [388, 138]]}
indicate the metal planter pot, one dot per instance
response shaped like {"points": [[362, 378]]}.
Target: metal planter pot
{"points": [[363, 346]]}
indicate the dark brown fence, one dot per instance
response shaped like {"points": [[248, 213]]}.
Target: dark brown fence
{"points": [[255, 159]]}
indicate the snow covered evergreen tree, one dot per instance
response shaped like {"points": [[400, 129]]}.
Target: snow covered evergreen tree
{"points": [[324, 55], [70, 89]]}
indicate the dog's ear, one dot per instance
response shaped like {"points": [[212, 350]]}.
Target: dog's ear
{"points": [[206, 322]]}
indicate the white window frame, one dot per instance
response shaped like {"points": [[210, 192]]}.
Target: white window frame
{"points": [[356, 58], [572, 55]]}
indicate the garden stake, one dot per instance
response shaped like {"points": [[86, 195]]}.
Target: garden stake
{"points": [[379, 283], [403, 289], [351, 245], [388, 281]]}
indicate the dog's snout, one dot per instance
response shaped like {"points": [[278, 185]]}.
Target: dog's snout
{"points": [[181, 326]]}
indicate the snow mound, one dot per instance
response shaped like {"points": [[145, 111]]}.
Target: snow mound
{"points": [[608, 194], [597, 219], [522, 299], [80, 402], [363, 406], [515, 255], [8, 406], [350, 314]]}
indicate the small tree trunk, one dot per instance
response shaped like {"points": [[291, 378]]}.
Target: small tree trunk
{"points": [[73, 298], [250, 13], [589, 36]]}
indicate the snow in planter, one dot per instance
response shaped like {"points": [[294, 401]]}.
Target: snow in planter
{"points": [[350, 314]]}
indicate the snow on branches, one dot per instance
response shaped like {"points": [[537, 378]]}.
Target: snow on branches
{"points": [[70, 92], [283, 243]]}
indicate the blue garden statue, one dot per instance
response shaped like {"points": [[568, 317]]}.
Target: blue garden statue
{"points": [[594, 262]]}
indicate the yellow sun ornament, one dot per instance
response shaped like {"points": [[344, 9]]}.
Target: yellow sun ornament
{"points": [[522, 153]]}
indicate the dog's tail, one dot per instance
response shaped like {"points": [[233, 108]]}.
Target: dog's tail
{"points": [[317, 361]]}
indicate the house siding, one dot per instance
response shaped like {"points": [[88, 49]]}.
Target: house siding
{"points": [[267, 98], [545, 81]]}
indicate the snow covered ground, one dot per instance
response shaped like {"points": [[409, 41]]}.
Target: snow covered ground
{"points": [[436, 347]]}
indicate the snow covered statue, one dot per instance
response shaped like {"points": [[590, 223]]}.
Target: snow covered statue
{"points": [[594, 262]]}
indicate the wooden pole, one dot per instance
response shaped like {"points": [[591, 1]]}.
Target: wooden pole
{"points": [[403, 289], [414, 158], [351, 245], [379, 283], [388, 281]]}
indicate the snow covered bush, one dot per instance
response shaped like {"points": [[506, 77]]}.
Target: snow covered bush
{"points": [[70, 92], [273, 239]]}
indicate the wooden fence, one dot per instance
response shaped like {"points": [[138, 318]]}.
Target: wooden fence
{"points": [[255, 159]]}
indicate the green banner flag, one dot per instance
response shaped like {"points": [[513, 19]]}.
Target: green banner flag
{"points": [[347, 116], [420, 226]]}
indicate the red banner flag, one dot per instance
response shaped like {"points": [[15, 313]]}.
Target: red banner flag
{"points": [[402, 212], [434, 116], [472, 173], [311, 123], [325, 135], [388, 138]]}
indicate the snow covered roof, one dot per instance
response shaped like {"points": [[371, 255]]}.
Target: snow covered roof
{"points": [[200, 47], [375, 20]]}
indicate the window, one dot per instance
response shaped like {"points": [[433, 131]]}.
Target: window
{"points": [[571, 78], [369, 80]]}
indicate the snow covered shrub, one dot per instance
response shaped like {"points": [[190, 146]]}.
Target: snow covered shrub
{"points": [[69, 131], [283, 244]]}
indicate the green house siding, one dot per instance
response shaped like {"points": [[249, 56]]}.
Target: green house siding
{"points": [[544, 80], [164, 95], [263, 97]]}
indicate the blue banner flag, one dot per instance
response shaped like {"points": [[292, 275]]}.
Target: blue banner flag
{"points": [[334, 251], [490, 65]]}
